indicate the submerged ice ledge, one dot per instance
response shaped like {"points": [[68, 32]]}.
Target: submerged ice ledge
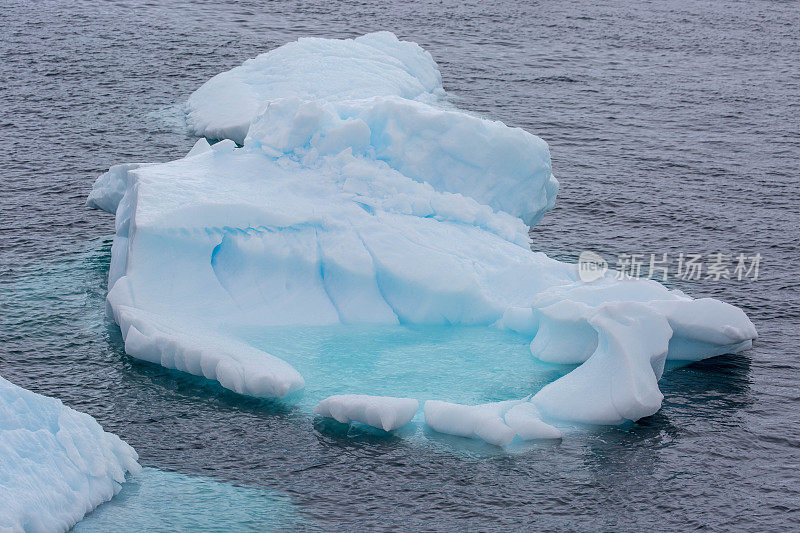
{"points": [[158, 500], [358, 197]]}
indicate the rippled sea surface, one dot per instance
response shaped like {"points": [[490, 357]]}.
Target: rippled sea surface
{"points": [[674, 127]]}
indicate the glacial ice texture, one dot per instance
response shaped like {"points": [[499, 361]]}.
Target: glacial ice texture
{"points": [[366, 202], [56, 464], [377, 64]]}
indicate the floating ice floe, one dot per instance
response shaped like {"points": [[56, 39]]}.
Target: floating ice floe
{"points": [[56, 464], [382, 412], [358, 197]]}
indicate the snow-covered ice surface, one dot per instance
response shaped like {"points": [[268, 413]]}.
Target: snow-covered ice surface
{"points": [[56, 464], [156, 500], [377, 64], [365, 202]]}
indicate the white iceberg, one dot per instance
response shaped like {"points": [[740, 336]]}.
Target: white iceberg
{"points": [[377, 205], [56, 464]]}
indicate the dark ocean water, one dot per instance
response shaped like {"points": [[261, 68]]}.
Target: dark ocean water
{"points": [[674, 127]]}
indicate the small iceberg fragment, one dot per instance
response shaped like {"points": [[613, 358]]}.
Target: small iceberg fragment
{"points": [[496, 423], [366, 199], [56, 464], [382, 412]]}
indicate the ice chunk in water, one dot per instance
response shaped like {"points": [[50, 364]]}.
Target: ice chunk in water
{"points": [[382, 412]]}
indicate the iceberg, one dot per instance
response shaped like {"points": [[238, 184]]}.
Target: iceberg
{"points": [[56, 464], [369, 200]]}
